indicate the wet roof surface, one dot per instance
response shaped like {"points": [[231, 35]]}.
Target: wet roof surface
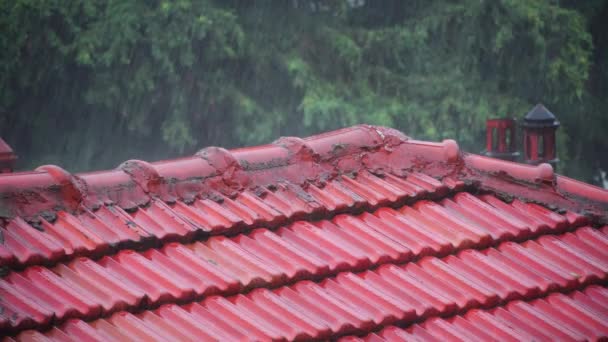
{"points": [[360, 233]]}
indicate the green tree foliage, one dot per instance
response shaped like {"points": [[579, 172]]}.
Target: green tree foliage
{"points": [[87, 84]]}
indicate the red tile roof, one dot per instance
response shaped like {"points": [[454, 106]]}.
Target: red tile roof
{"points": [[360, 233]]}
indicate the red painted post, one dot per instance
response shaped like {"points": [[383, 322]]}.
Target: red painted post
{"points": [[533, 152], [502, 139], [489, 136], [500, 149]]}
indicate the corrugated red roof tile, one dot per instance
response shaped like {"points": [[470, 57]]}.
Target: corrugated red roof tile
{"points": [[544, 319], [360, 233]]}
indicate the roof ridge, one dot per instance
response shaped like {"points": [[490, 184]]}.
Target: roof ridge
{"points": [[312, 160]]}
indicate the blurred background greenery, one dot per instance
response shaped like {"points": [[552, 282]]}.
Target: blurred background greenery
{"points": [[87, 84]]}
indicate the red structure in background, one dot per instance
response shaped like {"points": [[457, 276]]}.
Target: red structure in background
{"points": [[7, 157], [501, 139], [539, 128]]}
